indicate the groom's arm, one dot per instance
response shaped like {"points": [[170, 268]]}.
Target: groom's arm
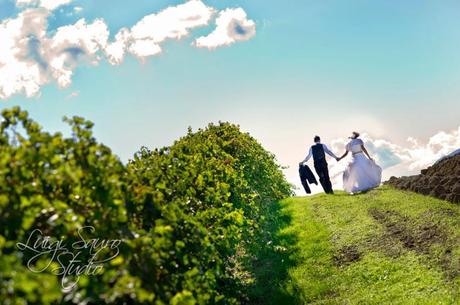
{"points": [[307, 157], [330, 153]]}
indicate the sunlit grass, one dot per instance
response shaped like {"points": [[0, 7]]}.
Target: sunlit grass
{"points": [[381, 247]]}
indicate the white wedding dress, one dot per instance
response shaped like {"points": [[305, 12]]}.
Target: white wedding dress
{"points": [[361, 173]]}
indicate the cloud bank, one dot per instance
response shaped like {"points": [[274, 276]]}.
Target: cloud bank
{"points": [[30, 57], [399, 159]]}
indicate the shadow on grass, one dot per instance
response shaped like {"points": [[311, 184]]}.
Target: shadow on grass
{"points": [[272, 256], [360, 193]]}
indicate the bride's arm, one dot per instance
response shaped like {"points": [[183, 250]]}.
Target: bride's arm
{"points": [[365, 151], [343, 156]]}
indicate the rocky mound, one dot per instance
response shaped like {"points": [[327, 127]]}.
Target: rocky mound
{"points": [[441, 180]]}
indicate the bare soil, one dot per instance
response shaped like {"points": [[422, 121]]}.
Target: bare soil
{"points": [[441, 180]]}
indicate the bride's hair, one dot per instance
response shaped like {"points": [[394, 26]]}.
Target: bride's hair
{"points": [[355, 134]]}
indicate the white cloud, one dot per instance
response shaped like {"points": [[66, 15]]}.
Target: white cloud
{"points": [[115, 51], [144, 48], [31, 58], [419, 156], [53, 4], [73, 44], [47, 4], [232, 25], [145, 37], [21, 63]]}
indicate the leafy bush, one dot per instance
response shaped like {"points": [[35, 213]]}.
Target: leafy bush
{"points": [[182, 211]]}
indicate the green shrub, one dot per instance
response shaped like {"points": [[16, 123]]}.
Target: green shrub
{"points": [[181, 211]]}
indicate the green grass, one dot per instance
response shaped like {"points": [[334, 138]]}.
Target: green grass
{"points": [[381, 247]]}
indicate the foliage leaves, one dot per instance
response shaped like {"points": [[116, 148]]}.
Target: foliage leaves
{"points": [[182, 211]]}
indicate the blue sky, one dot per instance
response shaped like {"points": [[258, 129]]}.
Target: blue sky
{"points": [[390, 69]]}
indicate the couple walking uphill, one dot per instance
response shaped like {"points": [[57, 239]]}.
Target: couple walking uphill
{"points": [[361, 174]]}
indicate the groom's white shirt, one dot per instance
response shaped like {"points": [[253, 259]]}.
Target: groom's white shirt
{"points": [[326, 150]]}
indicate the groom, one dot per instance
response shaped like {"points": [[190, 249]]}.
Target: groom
{"points": [[319, 152]]}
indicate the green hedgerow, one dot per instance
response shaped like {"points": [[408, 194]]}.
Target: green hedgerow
{"points": [[181, 212]]}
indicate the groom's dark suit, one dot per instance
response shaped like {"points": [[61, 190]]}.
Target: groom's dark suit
{"points": [[319, 159], [306, 176]]}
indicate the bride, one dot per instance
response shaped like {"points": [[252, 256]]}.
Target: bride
{"points": [[361, 173]]}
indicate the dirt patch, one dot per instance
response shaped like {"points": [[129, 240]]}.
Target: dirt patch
{"points": [[384, 244], [418, 237], [440, 213], [347, 255], [413, 236]]}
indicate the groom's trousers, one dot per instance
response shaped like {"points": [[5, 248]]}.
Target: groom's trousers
{"points": [[323, 173]]}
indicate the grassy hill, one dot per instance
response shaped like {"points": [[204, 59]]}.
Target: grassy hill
{"points": [[382, 247]]}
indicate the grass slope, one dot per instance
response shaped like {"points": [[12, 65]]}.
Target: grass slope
{"points": [[382, 247]]}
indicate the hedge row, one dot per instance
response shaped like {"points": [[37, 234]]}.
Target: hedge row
{"points": [[181, 213]]}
